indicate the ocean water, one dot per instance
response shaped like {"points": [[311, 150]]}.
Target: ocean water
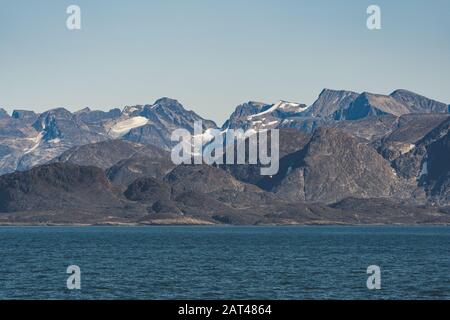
{"points": [[311, 262]]}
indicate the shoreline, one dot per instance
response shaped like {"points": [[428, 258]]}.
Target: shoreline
{"points": [[140, 225]]}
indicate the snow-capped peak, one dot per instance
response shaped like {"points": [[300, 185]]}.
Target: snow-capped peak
{"points": [[287, 105], [282, 105]]}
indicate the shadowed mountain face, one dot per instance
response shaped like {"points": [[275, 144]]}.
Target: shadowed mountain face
{"points": [[348, 158], [408, 130], [436, 171], [411, 165], [368, 104]]}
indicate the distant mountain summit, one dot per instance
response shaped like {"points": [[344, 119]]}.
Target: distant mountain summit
{"points": [[418, 103], [257, 115], [239, 118], [155, 123], [331, 104]]}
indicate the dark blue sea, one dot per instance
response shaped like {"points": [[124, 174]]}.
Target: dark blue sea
{"points": [[311, 262]]}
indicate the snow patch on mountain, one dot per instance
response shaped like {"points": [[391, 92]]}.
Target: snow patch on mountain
{"points": [[37, 141], [271, 123], [424, 170], [123, 127], [281, 105], [409, 148]]}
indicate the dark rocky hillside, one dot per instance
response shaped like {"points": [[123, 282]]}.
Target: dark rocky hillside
{"points": [[57, 187], [409, 129], [411, 164], [332, 166], [436, 171]]}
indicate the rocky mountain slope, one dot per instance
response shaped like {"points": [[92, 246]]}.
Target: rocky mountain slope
{"points": [[61, 193], [436, 171], [28, 139], [347, 158], [406, 132], [332, 166], [160, 119]]}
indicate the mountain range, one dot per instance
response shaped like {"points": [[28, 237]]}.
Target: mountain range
{"points": [[349, 158]]}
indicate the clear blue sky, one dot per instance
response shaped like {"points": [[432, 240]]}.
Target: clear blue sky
{"points": [[213, 55]]}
